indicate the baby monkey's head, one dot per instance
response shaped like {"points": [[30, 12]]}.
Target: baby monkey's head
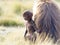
{"points": [[27, 15]]}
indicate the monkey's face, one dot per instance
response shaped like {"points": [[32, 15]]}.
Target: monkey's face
{"points": [[27, 18]]}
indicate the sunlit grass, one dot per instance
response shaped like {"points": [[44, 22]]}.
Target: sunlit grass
{"points": [[15, 36], [21, 7], [12, 12], [11, 21]]}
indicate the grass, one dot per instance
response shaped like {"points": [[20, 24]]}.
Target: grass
{"points": [[11, 21], [15, 37], [20, 7], [11, 12]]}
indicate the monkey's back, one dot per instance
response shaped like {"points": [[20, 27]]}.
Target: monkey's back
{"points": [[48, 19]]}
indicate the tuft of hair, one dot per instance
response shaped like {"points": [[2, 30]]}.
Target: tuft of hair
{"points": [[47, 19]]}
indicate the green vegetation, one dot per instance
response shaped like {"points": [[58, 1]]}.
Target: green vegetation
{"points": [[15, 10], [10, 15], [11, 23], [22, 6], [1, 11]]}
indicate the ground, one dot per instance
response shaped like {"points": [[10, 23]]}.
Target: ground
{"points": [[11, 35], [14, 36]]}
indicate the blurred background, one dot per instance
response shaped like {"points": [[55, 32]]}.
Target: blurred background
{"points": [[11, 11], [12, 26]]}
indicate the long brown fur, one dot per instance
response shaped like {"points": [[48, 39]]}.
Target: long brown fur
{"points": [[47, 19]]}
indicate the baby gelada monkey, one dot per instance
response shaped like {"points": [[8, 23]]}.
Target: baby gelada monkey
{"points": [[30, 26]]}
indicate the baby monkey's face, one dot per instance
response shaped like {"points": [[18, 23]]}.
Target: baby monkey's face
{"points": [[27, 18]]}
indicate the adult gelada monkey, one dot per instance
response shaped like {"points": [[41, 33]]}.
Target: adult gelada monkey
{"points": [[47, 18]]}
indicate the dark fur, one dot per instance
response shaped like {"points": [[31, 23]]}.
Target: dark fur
{"points": [[47, 20], [30, 26]]}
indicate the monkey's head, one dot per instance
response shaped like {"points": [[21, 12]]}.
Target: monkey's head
{"points": [[27, 15]]}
